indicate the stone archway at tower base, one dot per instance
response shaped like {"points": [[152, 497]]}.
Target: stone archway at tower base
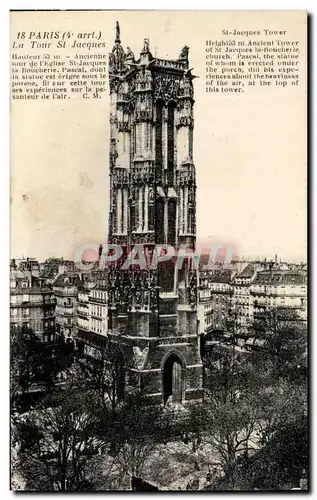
{"points": [[173, 379]]}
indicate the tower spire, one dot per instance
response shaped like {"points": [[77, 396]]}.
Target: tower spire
{"points": [[117, 56], [117, 40]]}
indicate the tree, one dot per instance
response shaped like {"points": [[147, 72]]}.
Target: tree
{"points": [[279, 465], [231, 408], [284, 342], [141, 425], [251, 398], [25, 365], [60, 443], [232, 427], [106, 373], [33, 365]]}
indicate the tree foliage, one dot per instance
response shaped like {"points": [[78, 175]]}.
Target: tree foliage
{"points": [[252, 420], [59, 443], [140, 426], [105, 373], [33, 366], [252, 398], [284, 342]]}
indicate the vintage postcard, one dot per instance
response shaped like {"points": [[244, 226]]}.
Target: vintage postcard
{"points": [[158, 272]]}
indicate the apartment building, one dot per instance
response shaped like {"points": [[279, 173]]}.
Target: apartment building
{"points": [[241, 298], [229, 301], [215, 302], [65, 288], [92, 316], [32, 302], [276, 288]]}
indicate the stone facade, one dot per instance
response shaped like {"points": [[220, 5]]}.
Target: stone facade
{"points": [[66, 290], [32, 302], [275, 288], [230, 300], [153, 202], [92, 316]]}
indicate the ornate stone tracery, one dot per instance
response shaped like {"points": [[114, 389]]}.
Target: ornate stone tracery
{"points": [[153, 202], [166, 87]]}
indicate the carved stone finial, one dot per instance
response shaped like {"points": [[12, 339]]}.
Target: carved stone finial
{"points": [[100, 250], [117, 57], [117, 40], [146, 45], [184, 53], [129, 54]]}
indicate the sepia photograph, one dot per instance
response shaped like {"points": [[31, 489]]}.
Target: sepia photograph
{"points": [[158, 267]]}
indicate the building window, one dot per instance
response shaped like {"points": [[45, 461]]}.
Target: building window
{"points": [[170, 143], [158, 137], [159, 221], [171, 210]]}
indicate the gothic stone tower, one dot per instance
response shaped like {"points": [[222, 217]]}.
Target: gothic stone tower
{"points": [[152, 202]]}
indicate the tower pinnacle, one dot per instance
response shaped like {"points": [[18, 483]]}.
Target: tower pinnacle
{"points": [[117, 39], [117, 56]]}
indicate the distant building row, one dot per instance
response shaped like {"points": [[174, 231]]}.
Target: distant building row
{"points": [[232, 299], [55, 300]]}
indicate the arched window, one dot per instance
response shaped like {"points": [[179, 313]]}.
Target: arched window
{"points": [[158, 137], [159, 221], [119, 211], [166, 275], [171, 214], [170, 142], [121, 218]]}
